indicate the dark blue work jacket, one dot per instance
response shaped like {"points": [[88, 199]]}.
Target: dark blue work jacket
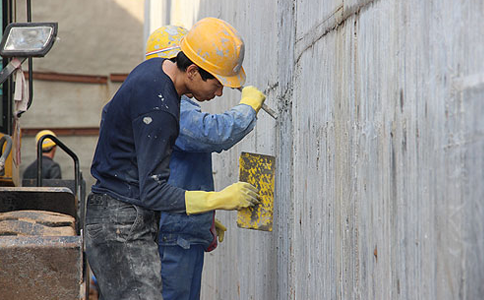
{"points": [[138, 130]]}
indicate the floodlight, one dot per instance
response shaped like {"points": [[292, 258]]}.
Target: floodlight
{"points": [[28, 39]]}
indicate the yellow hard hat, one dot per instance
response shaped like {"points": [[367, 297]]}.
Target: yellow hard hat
{"points": [[165, 42], [47, 143], [216, 47]]}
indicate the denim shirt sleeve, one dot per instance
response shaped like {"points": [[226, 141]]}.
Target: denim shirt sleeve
{"points": [[204, 132]]}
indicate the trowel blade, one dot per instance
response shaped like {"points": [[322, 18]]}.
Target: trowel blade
{"points": [[258, 170]]}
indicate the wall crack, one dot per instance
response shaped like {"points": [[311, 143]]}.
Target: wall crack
{"points": [[337, 18]]}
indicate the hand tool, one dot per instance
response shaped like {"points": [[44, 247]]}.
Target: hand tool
{"points": [[266, 108]]}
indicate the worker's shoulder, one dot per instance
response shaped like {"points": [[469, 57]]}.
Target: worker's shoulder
{"points": [[147, 88], [148, 72]]}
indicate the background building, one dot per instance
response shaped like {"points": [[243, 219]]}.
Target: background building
{"points": [[99, 43]]}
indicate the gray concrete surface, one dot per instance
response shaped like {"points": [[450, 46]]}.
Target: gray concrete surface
{"points": [[379, 150]]}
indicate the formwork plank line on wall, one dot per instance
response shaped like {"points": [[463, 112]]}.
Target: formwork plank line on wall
{"points": [[334, 14]]}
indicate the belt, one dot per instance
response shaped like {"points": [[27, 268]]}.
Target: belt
{"points": [[99, 199]]}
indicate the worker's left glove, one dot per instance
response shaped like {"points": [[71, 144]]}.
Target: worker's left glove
{"points": [[234, 197], [220, 228], [253, 97]]}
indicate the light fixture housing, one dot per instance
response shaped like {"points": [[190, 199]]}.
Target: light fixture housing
{"points": [[28, 39]]}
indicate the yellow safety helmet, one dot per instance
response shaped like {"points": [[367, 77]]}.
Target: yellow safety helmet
{"points": [[46, 143], [216, 47], [165, 42]]}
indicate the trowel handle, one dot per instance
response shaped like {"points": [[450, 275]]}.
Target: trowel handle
{"points": [[266, 108]]}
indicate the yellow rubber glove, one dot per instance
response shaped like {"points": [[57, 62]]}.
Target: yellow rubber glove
{"points": [[253, 97], [234, 197], [220, 228]]}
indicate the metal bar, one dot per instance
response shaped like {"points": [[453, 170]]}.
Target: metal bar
{"points": [[67, 150], [266, 108], [31, 83], [29, 11], [31, 62], [269, 110]]}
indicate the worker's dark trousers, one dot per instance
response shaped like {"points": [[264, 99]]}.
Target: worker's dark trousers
{"points": [[122, 250]]}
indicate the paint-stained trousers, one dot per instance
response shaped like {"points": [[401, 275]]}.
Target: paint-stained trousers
{"points": [[122, 250]]}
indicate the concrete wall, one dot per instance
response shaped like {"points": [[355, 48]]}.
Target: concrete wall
{"points": [[379, 147], [96, 38]]}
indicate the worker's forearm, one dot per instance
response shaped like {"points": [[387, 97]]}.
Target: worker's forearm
{"points": [[203, 132]]}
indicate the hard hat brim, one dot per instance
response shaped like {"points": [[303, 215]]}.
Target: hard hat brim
{"points": [[232, 81], [48, 144]]}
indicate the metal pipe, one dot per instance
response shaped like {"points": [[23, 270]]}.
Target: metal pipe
{"points": [[29, 11], [31, 61], [67, 150]]}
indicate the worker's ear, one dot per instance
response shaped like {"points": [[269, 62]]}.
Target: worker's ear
{"points": [[192, 71]]}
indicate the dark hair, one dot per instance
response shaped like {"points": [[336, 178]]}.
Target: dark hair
{"points": [[183, 62]]}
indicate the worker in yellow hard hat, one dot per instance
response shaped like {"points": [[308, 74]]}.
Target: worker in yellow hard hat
{"points": [[183, 239], [164, 42], [50, 169], [138, 130]]}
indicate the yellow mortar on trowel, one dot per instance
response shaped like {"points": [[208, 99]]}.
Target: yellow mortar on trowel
{"points": [[259, 171]]}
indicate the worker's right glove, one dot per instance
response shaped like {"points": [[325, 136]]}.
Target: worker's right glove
{"points": [[253, 97], [236, 196]]}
